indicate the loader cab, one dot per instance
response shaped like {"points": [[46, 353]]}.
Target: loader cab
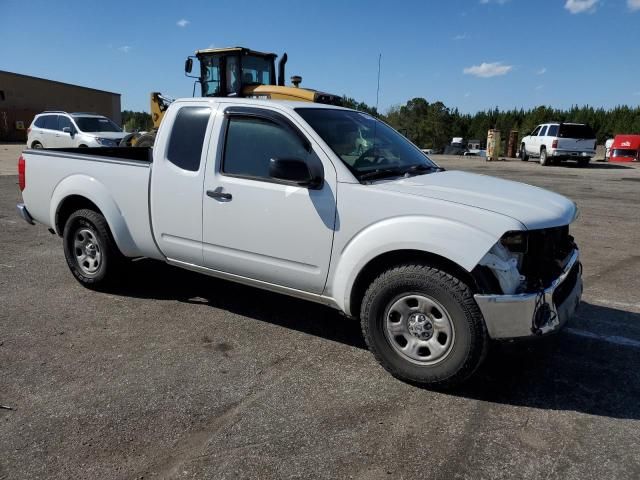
{"points": [[227, 72]]}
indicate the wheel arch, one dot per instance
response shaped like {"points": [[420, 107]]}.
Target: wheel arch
{"points": [[393, 258], [80, 191]]}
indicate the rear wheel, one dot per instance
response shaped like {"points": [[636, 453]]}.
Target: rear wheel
{"points": [[90, 250], [36, 145], [423, 325], [523, 153], [544, 160]]}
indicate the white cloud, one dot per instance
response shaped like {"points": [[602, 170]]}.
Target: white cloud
{"points": [[462, 36], [125, 48], [498, 2], [542, 71], [467, 94], [633, 5], [487, 70], [183, 22], [581, 6], [539, 87]]}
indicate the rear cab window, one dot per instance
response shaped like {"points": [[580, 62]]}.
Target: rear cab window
{"points": [[576, 131], [187, 137], [553, 131]]}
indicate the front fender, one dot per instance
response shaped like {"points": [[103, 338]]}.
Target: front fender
{"points": [[93, 190], [461, 243]]}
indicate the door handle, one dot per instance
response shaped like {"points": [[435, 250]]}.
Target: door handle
{"points": [[218, 194]]}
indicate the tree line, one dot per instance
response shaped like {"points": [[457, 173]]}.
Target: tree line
{"points": [[433, 125]]}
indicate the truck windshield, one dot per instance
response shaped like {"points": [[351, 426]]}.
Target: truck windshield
{"points": [[621, 152], [96, 124], [368, 147]]}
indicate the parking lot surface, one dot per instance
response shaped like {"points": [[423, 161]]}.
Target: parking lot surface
{"points": [[177, 375]]}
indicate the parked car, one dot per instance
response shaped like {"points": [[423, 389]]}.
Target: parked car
{"points": [[69, 130], [625, 148], [554, 142], [434, 263]]}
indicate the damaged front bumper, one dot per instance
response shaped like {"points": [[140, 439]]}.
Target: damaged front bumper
{"points": [[534, 314]]}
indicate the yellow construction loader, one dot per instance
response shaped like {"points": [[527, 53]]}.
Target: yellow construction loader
{"points": [[234, 72]]}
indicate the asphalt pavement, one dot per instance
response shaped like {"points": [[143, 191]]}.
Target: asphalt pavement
{"points": [[177, 375]]}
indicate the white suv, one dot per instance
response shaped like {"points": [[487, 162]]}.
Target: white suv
{"points": [[68, 130], [553, 142]]}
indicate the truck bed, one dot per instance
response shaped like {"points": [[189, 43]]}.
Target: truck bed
{"points": [[140, 154], [116, 180]]}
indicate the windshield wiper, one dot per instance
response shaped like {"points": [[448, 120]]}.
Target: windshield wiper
{"points": [[421, 167], [397, 171], [381, 173]]}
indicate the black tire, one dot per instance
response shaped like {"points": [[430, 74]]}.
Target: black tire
{"points": [[36, 145], [83, 229], [584, 162], [544, 159], [523, 154], [146, 140], [82, 146], [468, 341]]}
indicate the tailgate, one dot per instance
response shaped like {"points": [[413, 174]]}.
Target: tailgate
{"points": [[573, 136]]}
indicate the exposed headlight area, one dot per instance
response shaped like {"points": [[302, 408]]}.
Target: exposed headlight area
{"points": [[106, 142], [529, 261]]}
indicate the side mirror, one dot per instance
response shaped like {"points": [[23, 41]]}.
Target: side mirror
{"points": [[294, 171], [68, 130], [188, 65]]}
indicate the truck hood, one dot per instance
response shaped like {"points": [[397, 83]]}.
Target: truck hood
{"points": [[534, 207], [109, 135]]}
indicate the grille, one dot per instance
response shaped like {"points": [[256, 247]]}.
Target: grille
{"points": [[544, 260], [562, 292]]}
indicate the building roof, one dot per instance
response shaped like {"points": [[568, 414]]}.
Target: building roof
{"points": [[59, 83]]}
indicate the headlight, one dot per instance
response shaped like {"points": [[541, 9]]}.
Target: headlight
{"points": [[106, 142], [515, 242]]}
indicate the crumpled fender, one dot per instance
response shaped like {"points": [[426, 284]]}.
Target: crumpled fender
{"points": [[91, 188], [458, 242]]}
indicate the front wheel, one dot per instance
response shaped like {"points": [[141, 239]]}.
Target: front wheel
{"points": [[523, 153], [90, 250], [424, 326]]}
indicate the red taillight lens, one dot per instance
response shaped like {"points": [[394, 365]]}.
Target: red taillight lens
{"points": [[22, 167], [554, 144]]}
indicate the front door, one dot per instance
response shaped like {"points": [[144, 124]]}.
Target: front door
{"points": [[255, 227]]}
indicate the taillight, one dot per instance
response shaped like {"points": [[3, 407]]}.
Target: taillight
{"points": [[554, 144], [22, 167]]}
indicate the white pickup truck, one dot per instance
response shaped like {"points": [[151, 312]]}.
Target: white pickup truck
{"points": [[277, 195]]}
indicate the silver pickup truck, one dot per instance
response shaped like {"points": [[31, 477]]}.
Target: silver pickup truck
{"points": [[283, 196]]}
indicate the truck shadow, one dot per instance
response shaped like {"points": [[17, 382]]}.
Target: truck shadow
{"points": [[569, 371]]}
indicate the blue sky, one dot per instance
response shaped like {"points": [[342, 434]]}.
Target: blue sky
{"points": [[470, 54]]}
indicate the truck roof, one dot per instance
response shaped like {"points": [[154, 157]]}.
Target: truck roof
{"points": [[288, 104]]}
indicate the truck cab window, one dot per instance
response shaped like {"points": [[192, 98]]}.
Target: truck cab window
{"points": [[187, 137], [251, 143]]}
